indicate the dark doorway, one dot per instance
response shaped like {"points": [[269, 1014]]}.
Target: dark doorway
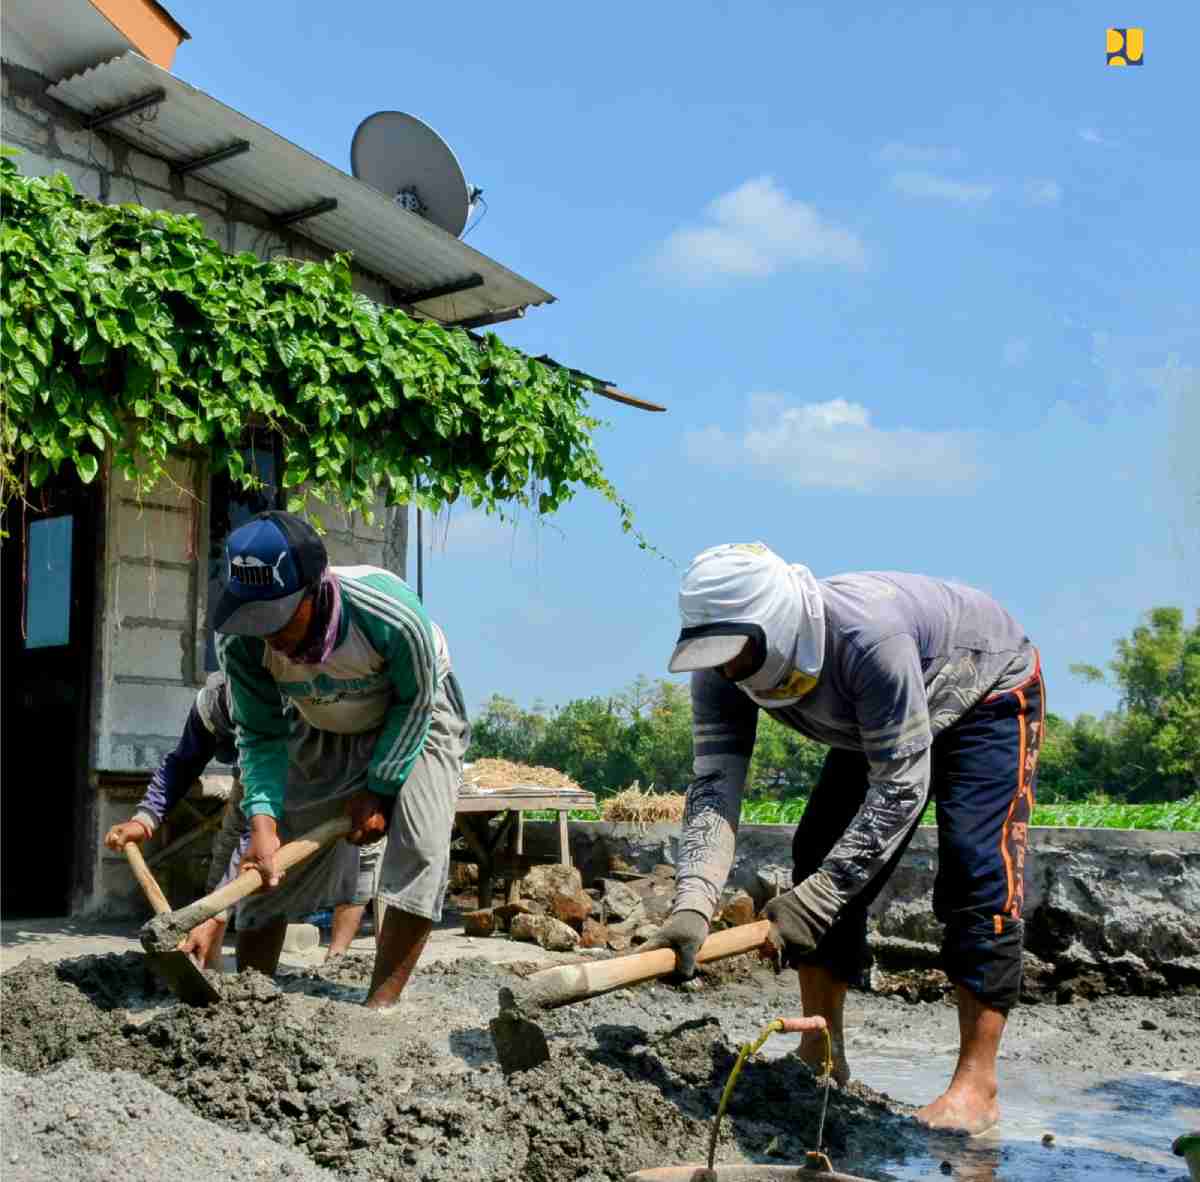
{"points": [[48, 607]]}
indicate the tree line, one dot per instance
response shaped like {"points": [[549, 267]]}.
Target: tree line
{"points": [[1147, 749]]}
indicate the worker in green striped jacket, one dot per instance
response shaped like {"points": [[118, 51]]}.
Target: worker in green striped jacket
{"points": [[344, 702]]}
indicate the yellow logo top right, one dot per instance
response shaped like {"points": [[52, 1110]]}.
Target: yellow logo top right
{"points": [[1125, 47]]}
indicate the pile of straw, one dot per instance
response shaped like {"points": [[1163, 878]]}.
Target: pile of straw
{"points": [[643, 808], [502, 773]]}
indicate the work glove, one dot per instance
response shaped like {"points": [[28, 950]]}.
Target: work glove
{"points": [[120, 835], [683, 932], [370, 814], [798, 922], [260, 853]]}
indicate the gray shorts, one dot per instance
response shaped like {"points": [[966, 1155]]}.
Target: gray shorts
{"points": [[413, 863], [416, 864]]}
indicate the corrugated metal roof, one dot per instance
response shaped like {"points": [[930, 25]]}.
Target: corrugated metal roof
{"points": [[279, 178]]}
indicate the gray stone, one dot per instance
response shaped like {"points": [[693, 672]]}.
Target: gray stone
{"points": [[545, 931], [620, 899]]}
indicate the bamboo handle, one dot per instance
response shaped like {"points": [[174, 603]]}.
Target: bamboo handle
{"points": [[167, 931], [153, 892], [732, 941], [288, 856], [567, 983]]}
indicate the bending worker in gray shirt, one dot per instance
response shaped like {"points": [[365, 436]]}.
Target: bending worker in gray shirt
{"points": [[918, 686]]}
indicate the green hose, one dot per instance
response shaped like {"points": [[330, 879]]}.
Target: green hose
{"points": [[752, 1048]]}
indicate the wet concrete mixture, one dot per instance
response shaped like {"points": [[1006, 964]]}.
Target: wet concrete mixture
{"points": [[633, 1081]]}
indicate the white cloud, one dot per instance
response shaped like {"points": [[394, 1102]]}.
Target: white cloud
{"points": [[1090, 135], [754, 231], [834, 445], [926, 185], [897, 152], [1017, 351], [1043, 192]]}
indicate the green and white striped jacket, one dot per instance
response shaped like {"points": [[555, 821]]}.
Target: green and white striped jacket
{"points": [[382, 675]]}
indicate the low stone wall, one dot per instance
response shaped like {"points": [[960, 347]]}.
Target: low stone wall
{"points": [[1105, 908]]}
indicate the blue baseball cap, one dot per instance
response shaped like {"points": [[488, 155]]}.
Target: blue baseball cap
{"points": [[271, 563]]}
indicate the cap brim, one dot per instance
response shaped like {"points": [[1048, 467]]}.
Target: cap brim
{"points": [[255, 617], [704, 652]]}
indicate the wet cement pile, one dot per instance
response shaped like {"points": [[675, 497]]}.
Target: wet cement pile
{"points": [[76, 1123], [367, 1097], [633, 1081]]}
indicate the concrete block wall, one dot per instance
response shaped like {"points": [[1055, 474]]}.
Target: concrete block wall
{"points": [[349, 539], [150, 615]]}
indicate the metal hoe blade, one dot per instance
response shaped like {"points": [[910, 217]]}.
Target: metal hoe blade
{"points": [[184, 978]]}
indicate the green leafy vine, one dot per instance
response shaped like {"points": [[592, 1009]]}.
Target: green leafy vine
{"points": [[129, 335]]}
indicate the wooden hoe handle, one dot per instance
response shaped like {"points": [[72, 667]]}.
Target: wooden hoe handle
{"points": [[166, 931], [288, 856], [573, 982], [141, 872]]}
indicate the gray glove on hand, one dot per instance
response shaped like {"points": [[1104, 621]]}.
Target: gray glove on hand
{"points": [[797, 924], [684, 932]]}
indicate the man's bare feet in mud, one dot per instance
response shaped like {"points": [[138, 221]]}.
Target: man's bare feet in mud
{"points": [[812, 1053], [969, 1103], [962, 1108]]}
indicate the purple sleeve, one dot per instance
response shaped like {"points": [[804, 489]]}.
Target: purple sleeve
{"points": [[179, 769]]}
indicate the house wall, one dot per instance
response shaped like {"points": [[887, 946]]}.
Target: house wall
{"points": [[152, 591]]}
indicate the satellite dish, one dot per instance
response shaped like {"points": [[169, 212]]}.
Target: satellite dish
{"points": [[406, 159]]}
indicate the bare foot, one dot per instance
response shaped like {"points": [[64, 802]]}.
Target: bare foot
{"points": [[963, 1109], [812, 1052]]}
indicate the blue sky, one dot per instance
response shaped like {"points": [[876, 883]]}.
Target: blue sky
{"points": [[919, 285]]}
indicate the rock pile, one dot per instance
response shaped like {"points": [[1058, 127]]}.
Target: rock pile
{"points": [[618, 913]]}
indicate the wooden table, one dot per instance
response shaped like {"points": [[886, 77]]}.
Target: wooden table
{"points": [[498, 850]]}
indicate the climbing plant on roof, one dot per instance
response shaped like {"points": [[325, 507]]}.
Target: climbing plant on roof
{"points": [[129, 335]]}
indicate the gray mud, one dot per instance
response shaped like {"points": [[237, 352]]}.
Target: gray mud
{"points": [[80, 1124], [633, 1079]]}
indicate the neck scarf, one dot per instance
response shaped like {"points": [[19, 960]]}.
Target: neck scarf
{"points": [[322, 633]]}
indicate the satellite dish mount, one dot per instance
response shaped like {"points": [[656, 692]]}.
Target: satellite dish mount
{"points": [[405, 158]]}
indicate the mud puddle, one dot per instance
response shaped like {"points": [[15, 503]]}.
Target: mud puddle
{"points": [[1099, 1130]]}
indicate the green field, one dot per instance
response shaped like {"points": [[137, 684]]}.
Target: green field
{"points": [[1181, 816]]}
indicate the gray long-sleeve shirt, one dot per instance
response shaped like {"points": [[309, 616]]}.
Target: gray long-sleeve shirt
{"points": [[905, 657]]}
